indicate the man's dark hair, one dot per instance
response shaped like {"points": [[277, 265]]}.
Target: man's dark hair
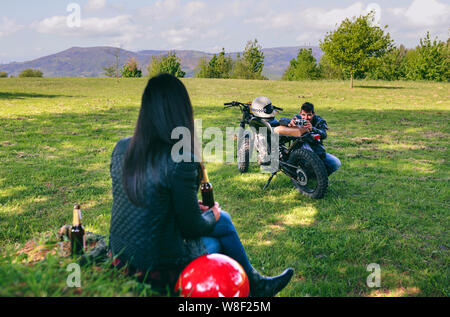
{"points": [[308, 107]]}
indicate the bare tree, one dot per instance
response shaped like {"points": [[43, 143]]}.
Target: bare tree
{"points": [[116, 52]]}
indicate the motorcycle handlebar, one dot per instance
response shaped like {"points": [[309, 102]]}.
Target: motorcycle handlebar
{"points": [[237, 103], [233, 104]]}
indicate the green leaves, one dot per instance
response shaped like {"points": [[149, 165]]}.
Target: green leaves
{"points": [[355, 45], [29, 72], [218, 67], [304, 67], [131, 70], [247, 66], [430, 61], [254, 56], [169, 64]]}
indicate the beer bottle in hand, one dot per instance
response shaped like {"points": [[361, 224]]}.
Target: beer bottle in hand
{"points": [[77, 233], [207, 190]]}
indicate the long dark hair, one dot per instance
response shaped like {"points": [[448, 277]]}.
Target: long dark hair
{"points": [[165, 106]]}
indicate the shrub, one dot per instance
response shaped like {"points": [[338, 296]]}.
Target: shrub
{"points": [[218, 67], [304, 67], [329, 71], [131, 69], [170, 64], [430, 61], [29, 72], [251, 64]]}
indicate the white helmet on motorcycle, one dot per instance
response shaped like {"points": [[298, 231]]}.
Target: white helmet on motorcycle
{"points": [[262, 108]]}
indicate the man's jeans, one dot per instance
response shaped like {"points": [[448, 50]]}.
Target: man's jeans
{"points": [[332, 163], [224, 239]]}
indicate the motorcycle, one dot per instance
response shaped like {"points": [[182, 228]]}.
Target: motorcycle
{"points": [[294, 156]]}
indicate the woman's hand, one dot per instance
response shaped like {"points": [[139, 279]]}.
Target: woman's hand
{"points": [[216, 209], [203, 207]]}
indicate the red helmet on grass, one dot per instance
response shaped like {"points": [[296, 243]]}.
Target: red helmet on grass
{"points": [[213, 275]]}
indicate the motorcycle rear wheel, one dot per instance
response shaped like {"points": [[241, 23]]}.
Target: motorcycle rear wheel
{"points": [[316, 174]]}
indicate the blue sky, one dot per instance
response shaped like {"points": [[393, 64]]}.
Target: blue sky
{"points": [[31, 29]]}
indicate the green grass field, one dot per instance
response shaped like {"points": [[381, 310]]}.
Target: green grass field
{"points": [[389, 203]]}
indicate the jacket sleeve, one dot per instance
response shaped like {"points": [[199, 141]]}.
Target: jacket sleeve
{"points": [[189, 217], [321, 128], [285, 122]]}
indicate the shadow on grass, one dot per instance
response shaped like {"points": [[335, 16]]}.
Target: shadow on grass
{"points": [[379, 87], [23, 95]]}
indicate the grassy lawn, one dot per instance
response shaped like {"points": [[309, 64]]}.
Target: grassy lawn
{"points": [[389, 204]]}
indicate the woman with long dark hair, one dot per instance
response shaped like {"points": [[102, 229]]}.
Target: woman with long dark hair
{"points": [[158, 226]]}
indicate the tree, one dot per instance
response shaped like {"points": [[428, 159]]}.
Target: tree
{"points": [[251, 63], [131, 69], [217, 67], [391, 66], [116, 52], [223, 65], [430, 61], [110, 71], [304, 67], [355, 44], [29, 72], [3, 74], [329, 71], [202, 69], [170, 64]]}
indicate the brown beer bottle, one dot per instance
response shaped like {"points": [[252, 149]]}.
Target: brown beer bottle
{"points": [[77, 232], [206, 189]]}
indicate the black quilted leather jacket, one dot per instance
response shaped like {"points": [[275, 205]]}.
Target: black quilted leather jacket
{"points": [[165, 234]]}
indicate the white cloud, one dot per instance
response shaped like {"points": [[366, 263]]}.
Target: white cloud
{"points": [[310, 19], [95, 5], [182, 23], [202, 24], [9, 27], [309, 38], [319, 18], [119, 29], [283, 20], [160, 10], [178, 36], [426, 13], [194, 7]]}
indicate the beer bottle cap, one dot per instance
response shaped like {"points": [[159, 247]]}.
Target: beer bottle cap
{"points": [[77, 206]]}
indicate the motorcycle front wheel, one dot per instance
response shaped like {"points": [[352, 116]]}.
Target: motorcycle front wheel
{"points": [[311, 175], [243, 152]]}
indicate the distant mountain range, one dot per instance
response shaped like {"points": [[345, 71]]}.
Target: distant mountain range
{"points": [[90, 61]]}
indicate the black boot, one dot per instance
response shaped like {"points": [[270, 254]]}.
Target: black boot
{"points": [[261, 286]]}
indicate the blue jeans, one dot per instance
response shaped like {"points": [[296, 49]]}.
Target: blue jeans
{"points": [[332, 163], [224, 239]]}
